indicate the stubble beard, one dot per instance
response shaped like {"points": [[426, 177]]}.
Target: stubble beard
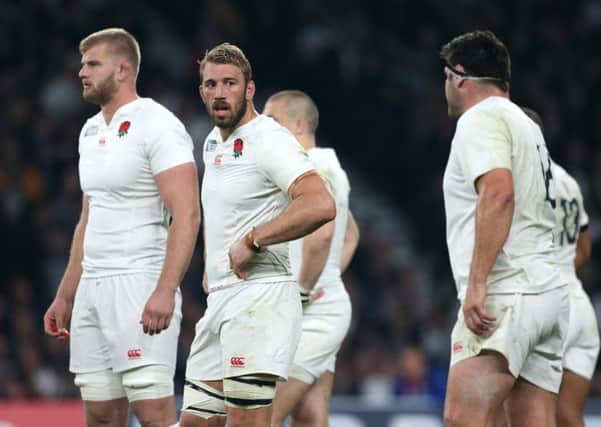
{"points": [[103, 92], [231, 122]]}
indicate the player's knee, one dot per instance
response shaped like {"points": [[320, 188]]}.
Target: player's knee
{"points": [[249, 391], [311, 416], [200, 400], [148, 382], [568, 416]]}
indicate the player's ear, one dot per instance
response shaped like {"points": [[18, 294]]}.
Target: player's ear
{"points": [[125, 70], [201, 93], [250, 90]]}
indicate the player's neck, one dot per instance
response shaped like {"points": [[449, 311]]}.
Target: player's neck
{"points": [[481, 95], [122, 97], [250, 114], [307, 141]]}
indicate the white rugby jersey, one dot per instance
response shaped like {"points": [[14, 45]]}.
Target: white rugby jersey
{"points": [[128, 222], [327, 165], [245, 184], [496, 133], [571, 219]]}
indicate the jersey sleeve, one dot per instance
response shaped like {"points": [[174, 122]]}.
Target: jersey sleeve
{"points": [[483, 143], [282, 159], [171, 147]]}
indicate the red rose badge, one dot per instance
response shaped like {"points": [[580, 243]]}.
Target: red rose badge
{"points": [[238, 146], [123, 128]]}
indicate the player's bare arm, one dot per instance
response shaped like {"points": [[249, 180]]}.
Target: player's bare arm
{"points": [[178, 187], [351, 240], [583, 248], [58, 314], [316, 248], [494, 213], [311, 207]]}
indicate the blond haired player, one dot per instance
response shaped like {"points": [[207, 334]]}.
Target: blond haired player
{"points": [[138, 227], [499, 203], [259, 191], [317, 261]]}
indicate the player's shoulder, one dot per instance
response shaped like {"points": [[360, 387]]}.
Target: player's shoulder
{"points": [[266, 131], [155, 113], [324, 157], [562, 176]]}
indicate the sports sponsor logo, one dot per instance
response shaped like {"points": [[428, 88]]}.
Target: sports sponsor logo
{"points": [[102, 140], [457, 347], [237, 362], [134, 353], [218, 158]]}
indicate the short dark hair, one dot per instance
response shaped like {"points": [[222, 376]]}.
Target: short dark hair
{"points": [[481, 54], [298, 103]]}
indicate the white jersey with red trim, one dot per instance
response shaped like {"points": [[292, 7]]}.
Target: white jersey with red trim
{"points": [[127, 221], [245, 184]]}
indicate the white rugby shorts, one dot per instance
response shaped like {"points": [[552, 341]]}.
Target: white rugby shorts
{"points": [[105, 326], [253, 328], [530, 332], [326, 322], [582, 344]]}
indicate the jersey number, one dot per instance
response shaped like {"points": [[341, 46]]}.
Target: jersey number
{"points": [[545, 165], [570, 222]]}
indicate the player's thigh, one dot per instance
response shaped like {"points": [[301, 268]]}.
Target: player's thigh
{"points": [[262, 330], [530, 405], [582, 344], [129, 346], [477, 386]]}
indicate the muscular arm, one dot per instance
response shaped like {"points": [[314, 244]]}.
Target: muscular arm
{"points": [[583, 248], [316, 247], [351, 240], [494, 213], [178, 187], [312, 206], [58, 313]]}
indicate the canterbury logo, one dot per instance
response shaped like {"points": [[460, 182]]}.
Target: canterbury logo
{"points": [[457, 347], [135, 353], [237, 362]]}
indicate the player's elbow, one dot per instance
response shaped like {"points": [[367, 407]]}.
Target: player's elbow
{"points": [[324, 210]]}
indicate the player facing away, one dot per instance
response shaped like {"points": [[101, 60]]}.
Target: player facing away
{"points": [[135, 237], [317, 261], [573, 242], [499, 201], [259, 191]]}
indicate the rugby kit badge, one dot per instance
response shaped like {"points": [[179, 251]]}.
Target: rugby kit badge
{"points": [[123, 128]]}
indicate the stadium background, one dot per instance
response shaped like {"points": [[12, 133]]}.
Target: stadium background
{"points": [[373, 69]]}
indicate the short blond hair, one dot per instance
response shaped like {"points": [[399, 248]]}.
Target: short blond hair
{"points": [[227, 53], [120, 41], [298, 104]]}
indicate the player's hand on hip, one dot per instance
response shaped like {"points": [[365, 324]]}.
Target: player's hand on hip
{"points": [[158, 311], [56, 318], [475, 315], [205, 283], [240, 255]]}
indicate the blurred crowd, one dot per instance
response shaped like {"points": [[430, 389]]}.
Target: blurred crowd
{"points": [[373, 69]]}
